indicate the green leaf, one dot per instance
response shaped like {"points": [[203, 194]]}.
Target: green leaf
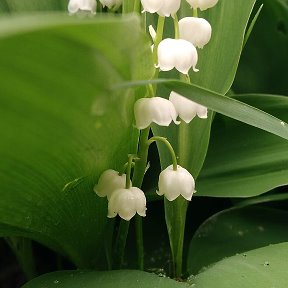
{"points": [[230, 107], [109, 279], [218, 60], [235, 231], [16, 6], [264, 267], [243, 161], [61, 125], [264, 60]]}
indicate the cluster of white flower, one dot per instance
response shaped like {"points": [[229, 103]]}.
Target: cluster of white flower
{"points": [[180, 53], [126, 202], [123, 201], [75, 6], [162, 111], [193, 32]]}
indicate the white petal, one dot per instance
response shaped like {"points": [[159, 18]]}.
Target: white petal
{"points": [[140, 201], [162, 111], [186, 108], [173, 183], [195, 30], [158, 110], [169, 7], [151, 6], [202, 111], [84, 5], [108, 182], [186, 56], [73, 6], [205, 4], [166, 54], [126, 202], [202, 4]]}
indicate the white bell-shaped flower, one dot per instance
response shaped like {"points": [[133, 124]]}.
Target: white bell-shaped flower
{"points": [[82, 5], [202, 4], [186, 108], [173, 183], [111, 3], [195, 30], [126, 203], [156, 109], [108, 182], [162, 7], [177, 53]]}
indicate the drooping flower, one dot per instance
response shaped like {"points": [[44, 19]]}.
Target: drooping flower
{"points": [[202, 4], [111, 3], [126, 203], [158, 110], [162, 7], [108, 182], [177, 53], [195, 30], [186, 108], [83, 5], [173, 183]]}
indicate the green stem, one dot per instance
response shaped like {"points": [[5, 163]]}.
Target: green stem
{"points": [[120, 243], [168, 145], [139, 172], [159, 35], [23, 250], [176, 26], [195, 12], [140, 165], [139, 242], [128, 171], [137, 6]]}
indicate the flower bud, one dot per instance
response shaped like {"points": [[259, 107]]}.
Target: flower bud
{"points": [[177, 53], [126, 203], [111, 3], [162, 7], [158, 110], [108, 182], [186, 108], [173, 183], [84, 5], [195, 30], [202, 4]]}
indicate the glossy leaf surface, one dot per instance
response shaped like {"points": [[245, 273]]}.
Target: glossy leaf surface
{"points": [[61, 125]]}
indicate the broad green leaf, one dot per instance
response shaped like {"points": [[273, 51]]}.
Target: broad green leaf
{"points": [[264, 267], [264, 60], [217, 63], [61, 125], [235, 231], [218, 60], [108, 279], [243, 161], [21, 6]]}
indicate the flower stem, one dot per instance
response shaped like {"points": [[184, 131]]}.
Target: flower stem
{"points": [[159, 35], [137, 6], [195, 12], [176, 26], [168, 145], [139, 172], [120, 243], [128, 170]]}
